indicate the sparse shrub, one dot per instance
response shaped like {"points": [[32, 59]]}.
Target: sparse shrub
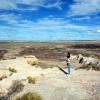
{"points": [[30, 96], [16, 87], [32, 60], [12, 70], [11, 74], [12, 57], [31, 79], [3, 77], [42, 74]]}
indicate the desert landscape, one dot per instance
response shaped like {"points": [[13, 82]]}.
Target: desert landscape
{"points": [[40, 68]]}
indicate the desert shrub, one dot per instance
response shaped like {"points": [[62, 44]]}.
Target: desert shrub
{"points": [[17, 86], [31, 79], [30, 96], [12, 70], [3, 77], [32, 60], [11, 74]]}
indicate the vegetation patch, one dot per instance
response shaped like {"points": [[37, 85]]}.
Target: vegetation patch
{"points": [[30, 96], [12, 70], [17, 86], [3, 77], [31, 79]]}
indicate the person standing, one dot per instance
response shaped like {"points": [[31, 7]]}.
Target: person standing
{"points": [[68, 62]]}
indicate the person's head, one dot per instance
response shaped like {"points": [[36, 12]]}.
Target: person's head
{"points": [[68, 54]]}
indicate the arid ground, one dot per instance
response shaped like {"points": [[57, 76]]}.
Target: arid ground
{"points": [[51, 82], [51, 50]]}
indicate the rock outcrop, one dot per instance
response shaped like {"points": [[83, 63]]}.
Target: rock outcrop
{"points": [[87, 62], [2, 52]]}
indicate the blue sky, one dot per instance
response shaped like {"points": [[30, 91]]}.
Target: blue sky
{"points": [[49, 20]]}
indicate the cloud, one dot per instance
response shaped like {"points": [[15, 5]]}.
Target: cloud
{"points": [[98, 31], [9, 18], [86, 18], [29, 4], [45, 24], [47, 28], [7, 4], [84, 7], [51, 24]]}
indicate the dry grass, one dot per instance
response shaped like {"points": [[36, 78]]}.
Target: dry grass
{"points": [[31, 79], [16, 87], [12, 70], [3, 77], [30, 96]]}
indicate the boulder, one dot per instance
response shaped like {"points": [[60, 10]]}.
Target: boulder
{"points": [[98, 65], [80, 58], [92, 63], [2, 52], [9, 56], [88, 62]]}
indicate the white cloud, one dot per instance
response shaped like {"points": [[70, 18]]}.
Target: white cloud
{"points": [[9, 18], [82, 18], [49, 23], [44, 23], [7, 4], [57, 4], [98, 31], [84, 7], [51, 26], [34, 4]]}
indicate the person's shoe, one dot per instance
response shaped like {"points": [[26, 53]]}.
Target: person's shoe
{"points": [[69, 75]]}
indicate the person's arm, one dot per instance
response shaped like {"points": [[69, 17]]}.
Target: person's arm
{"points": [[66, 59]]}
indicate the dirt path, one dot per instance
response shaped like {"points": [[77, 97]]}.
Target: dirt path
{"points": [[53, 84]]}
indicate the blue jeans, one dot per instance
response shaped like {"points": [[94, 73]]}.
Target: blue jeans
{"points": [[68, 66]]}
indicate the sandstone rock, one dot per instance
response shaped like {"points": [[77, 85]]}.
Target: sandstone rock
{"points": [[9, 56], [5, 97], [2, 52], [80, 58]]}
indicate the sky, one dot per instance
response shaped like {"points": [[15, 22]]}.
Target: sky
{"points": [[45, 20]]}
